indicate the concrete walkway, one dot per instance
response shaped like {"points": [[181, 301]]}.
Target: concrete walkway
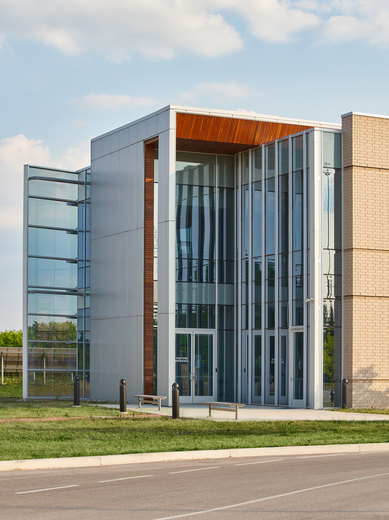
{"points": [[258, 413]]}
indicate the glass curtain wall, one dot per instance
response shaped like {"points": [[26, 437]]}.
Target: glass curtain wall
{"points": [[205, 260], [283, 234], [332, 267], [58, 265], [273, 245], [225, 277], [297, 233], [257, 240]]}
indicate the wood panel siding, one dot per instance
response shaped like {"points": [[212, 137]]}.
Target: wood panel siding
{"points": [[148, 332], [228, 135]]}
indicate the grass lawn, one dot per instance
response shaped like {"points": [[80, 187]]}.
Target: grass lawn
{"points": [[89, 436], [13, 409], [383, 411], [12, 387]]}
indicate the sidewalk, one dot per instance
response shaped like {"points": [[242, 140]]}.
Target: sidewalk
{"points": [[258, 413]]}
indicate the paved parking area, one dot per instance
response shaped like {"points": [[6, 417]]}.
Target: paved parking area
{"points": [[337, 486]]}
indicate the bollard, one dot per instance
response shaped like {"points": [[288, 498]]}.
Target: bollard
{"points": [[123, 404], [175, 401], [76, 397], [344, 393]]}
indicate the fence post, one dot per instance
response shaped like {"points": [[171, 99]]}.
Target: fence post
{"points": [[2, 369]]}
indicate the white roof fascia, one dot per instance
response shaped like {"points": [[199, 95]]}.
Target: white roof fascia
{"points": [[236, 114], [127, 125], [364, 114]]}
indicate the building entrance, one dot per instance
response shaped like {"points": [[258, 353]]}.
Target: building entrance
{"points": [[298, 370], [264, 369], [196, 365], [270, 368]]}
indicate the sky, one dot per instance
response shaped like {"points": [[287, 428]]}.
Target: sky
{"points": [[71, 70]]}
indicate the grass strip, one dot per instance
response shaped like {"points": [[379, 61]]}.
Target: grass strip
{"points": [[9, 409], [112, 436], [380, 411]]}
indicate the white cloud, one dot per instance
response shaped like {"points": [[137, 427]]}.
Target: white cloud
{"points": [[14, 153], [217, 92], [275, 20], [366, 20], [113, 102], [159, 29], [334, 21], [155, 28]]}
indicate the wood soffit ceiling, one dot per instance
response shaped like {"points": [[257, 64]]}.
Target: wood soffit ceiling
{"points": [[226, 135]]}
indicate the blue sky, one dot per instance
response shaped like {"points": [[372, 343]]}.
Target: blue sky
{"points": [[71, 70]]}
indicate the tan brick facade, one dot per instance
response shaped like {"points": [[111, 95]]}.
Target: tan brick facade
{"points": [[366, 259]]}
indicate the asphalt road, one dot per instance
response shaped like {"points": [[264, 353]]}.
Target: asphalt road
{"points": [[342, 486]]}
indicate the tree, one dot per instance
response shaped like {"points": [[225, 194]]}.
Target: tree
{"points": [[11, 338]]}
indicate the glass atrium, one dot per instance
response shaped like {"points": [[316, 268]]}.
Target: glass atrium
{"points": [[56, 272], [243, 294]]}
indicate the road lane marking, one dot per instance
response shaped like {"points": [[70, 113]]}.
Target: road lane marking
{"points": [[188, 470], [258, 462], [46, 489], [319, 456], [272, 497], [124, 478]]}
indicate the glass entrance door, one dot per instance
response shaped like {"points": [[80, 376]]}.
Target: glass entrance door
{"points": [[283, 370], [245, 367], [270, 369], [298, 370], [195, 365], [256, 379]]}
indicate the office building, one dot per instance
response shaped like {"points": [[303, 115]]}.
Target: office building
{"points": [[243, 256]]}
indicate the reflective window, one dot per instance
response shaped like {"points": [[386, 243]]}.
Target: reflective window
{"points": [[195, 169], [298, 366], [245, 167], [50, 213], [257, 218], [53, 190], [54, 304], [52, 273], [270, 216], [257, 164], [226, 173], [283, 157], [332, 268], [332, 156], [53, 243], [297, 153]]}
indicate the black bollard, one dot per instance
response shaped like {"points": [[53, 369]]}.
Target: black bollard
{"points": [[344, 393], [123, 404], [76, 395], [175, 401]]}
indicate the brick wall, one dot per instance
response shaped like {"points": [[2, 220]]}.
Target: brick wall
{"points": [[366, 259]]}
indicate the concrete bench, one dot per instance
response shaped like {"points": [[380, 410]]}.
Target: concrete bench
{"points": [[225, 407], [153, 399]]}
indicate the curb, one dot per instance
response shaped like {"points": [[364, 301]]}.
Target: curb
{"points": [[136, 458]]}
